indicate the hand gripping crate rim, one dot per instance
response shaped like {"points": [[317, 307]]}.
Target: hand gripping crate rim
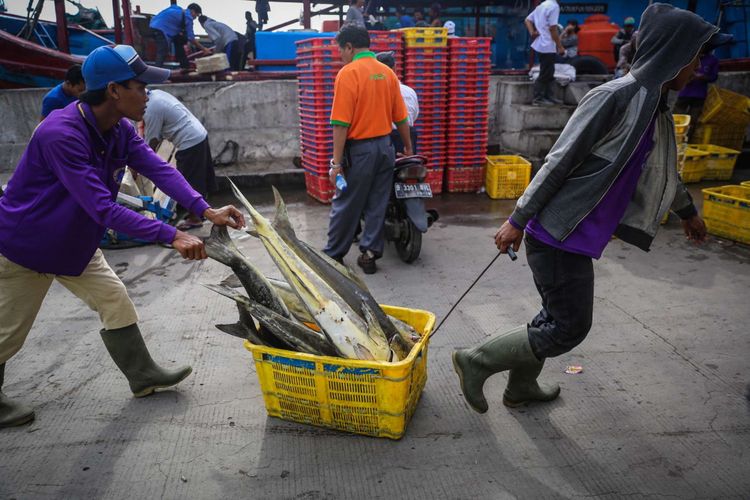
{"points": [[726, 211], [374, 398]]}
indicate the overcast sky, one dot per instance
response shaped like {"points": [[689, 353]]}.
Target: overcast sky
{"points": [[231, 12]]}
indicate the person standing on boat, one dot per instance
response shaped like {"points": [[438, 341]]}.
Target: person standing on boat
{"points": [[174, 25], [66, 92]]}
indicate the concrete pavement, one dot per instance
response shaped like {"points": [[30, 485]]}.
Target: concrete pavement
{"points": [[659, 410]]}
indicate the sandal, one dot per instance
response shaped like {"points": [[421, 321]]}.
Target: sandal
{"points": [[187, 225]]}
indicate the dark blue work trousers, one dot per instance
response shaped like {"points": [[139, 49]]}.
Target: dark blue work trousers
{"points": [[369, 177], [565, 282]]}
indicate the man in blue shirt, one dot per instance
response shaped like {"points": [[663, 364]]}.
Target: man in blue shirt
{"points": [[404, 19], [65, 93], [174, 26]]}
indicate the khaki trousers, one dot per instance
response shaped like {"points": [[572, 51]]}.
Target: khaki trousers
{"points": [[23, 290]]}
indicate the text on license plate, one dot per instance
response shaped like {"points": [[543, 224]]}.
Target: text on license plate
{"points": [[420, 190]]}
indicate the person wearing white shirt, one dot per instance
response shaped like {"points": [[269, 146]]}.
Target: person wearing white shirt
{"points": [[354, 15], [410, 99], [545, 35], [225, 40], [166, 118]]}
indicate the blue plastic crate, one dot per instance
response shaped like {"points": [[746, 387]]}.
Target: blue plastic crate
{"points": [[281, 45]]}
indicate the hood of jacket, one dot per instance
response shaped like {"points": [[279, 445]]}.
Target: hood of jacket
{"points": [[668, 39]]}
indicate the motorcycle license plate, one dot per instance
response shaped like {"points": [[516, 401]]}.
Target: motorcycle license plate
{"points": [[419, 190]]}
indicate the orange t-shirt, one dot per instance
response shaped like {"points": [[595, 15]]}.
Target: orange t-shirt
{"points": [[367, 98]]}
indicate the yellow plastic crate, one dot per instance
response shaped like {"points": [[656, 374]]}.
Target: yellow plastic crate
{"points": [[745, 183], [719, 162], [691, 163], [425, 37], [506, 176], [374, 398], [681, 124], [726, 211], [726, 135], [725, 107]]}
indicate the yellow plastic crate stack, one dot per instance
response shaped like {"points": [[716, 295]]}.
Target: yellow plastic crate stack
{"points": [[726, 211], [425, 37], [725, 118], [506, 176], [374, 398], [719, 161], [691, 163], [681, 126]]}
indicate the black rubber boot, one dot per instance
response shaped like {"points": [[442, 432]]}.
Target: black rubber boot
{"points": [[12, 414], [509, 351], [523, 387], [131, 356]]}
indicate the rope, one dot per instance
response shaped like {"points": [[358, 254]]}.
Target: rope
{"points": [[512, 256]]}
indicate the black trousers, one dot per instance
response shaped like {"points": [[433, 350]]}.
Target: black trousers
{"points": [[398, 143], [197, 166], [543, 83], [565, 282], [162, 48]]}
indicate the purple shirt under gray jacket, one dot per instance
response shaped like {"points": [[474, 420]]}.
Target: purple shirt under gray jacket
{"points": [[61, 197], [593, 233]]}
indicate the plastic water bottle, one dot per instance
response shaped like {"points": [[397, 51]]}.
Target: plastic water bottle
{"points": [[340, 183]]}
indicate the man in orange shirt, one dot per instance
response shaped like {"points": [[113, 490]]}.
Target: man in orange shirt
{"points": [[366, 103]]}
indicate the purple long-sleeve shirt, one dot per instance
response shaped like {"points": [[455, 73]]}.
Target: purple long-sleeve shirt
{"points": [[593, 233], [62, 195]]}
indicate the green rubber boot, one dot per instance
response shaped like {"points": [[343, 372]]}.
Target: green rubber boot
{"points": [[131, 356], [11, 413], [523, 388], [509, 351]]}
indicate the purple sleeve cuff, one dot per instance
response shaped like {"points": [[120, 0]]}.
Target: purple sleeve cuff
{"points": [[166, 234], [514, 224], [198, 207]]}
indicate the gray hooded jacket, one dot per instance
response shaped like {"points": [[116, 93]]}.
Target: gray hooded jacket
{"points": [[605, 130]]}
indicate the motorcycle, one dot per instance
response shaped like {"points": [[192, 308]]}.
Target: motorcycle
{"points": [[406, 218]]}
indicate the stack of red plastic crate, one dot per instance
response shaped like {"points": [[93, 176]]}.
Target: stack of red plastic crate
{"points": [[318, 62], [468, 98], [426, 72], [384, 41]]}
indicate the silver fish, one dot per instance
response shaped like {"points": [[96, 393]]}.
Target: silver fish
{"points": [[220, 247], [338, 277], [341, 323], [295, 334]]}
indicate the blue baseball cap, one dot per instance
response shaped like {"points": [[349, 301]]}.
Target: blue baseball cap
{"points": [[116, 64]]}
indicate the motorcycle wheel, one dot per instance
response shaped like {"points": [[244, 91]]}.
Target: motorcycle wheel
{"points": [[410, 243]]}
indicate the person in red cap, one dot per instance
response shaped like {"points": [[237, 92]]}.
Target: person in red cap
{"points": [[62, 196]]}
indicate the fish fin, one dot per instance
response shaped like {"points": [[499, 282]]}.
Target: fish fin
{"points": [[281, 221], [254, 214], [253, 233], [363, 353], [232, 281], [235, 329], [227, 292]]}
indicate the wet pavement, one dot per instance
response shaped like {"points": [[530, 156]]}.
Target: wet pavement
{"points": [[658, 411]]}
